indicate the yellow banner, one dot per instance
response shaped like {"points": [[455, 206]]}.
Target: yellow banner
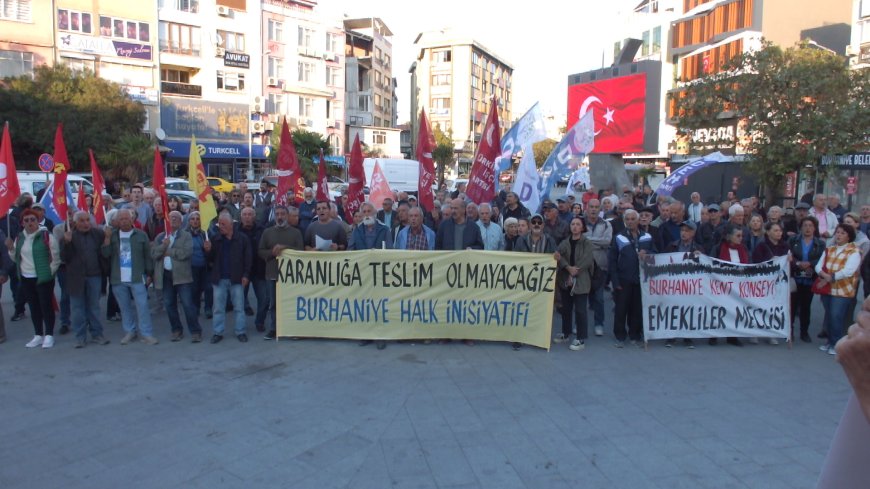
{"points": [[397, 294]]}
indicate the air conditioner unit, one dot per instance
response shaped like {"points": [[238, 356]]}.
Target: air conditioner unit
{"points": [[219, 52], [329, 56], [270, 126], [223, 11], [308, 122], [851, 50], [272, 81], [257, 104], [257, 127]]}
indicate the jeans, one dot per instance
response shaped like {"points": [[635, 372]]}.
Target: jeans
{"points": [[40, 298], [835, 315], [133, 301], [85, 309], [171, 293], [201, 286], [236, 293], [261, 289], [576, 304], [596, 302], [65, 314], [628, 310], [801, 303]]}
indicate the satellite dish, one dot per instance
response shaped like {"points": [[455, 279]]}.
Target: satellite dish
{"points": [[160, 133]]}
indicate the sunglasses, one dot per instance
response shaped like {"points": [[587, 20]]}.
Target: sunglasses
{"points": [[537, 223]]}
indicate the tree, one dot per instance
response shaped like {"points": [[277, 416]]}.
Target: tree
{"points": [[542, 150], [308, 145], [798, 104], [130, 157], [96, 114], [443, 151]]}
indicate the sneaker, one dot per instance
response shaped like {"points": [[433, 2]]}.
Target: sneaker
{"points": [[832, 351], [599, 330], [149, 340], [18, 316], [48, 341], [753, 341], [129, 337], [270, 335], [577, 345], [689, 344], [196, 338], [823, 348], [734, 341], [669, 343], [773, 341], [81, 344], [822, 334], [636, 344], [64, 329], [516, 346], [115, 318], [100, 340], [36, 341], [177, 336], [380, 344], [560, 338], [619, 344]]}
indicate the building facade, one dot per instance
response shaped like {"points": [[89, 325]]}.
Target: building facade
{"points": [[859, 45], [27, 37]]}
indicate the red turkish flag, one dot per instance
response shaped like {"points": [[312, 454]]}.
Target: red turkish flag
{"points": [[61, 167], [9, 187], [357, 180], [481, 181], [425, 146], [619, 107], [322, 181], [379, 189], [82, 203], [159, 184], [99, 189], [288, 168]]}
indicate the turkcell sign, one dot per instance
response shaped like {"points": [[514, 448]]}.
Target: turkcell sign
{"points": [[237, 60], [215, 150]]}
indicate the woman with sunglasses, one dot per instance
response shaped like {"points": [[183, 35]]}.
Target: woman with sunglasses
{"points": [[38, 257]]}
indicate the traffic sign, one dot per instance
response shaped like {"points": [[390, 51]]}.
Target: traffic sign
{"points": [[46, 162]]}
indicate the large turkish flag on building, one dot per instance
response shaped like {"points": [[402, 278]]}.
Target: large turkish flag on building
{"points": [[619, 107]]}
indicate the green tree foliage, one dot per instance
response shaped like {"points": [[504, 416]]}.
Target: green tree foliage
{"points": [[95, 113], [308, 145], [542, 150], [443, 151], [798, 104], [130, 157]]}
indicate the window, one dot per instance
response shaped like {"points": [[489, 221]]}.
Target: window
{"points": [[378, 101], [305, 37], [363, 103], [176, 76], [275, 103], [72, 20], [379, 137], [388, 106], [15, 63], [233, 82], [438, 80], [332, 42], [306, 71], [377, 122], [644, 50], [191, 6], [333, 75], [387, 60], [179, 38], [276, 31], [126, 29], [15, 10], [440, 103], [138, 76], [231, 41], [79, 64], [657, 40], [441, 56], [276, 67], [475, 81], [305, 105]]}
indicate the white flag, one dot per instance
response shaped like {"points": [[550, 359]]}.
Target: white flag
{"points": [[526, 184], [579, 177]]}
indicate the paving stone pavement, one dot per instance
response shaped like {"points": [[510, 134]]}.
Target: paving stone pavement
{"points": [[330, 414]]}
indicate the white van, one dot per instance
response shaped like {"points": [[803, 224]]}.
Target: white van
{"points": [[33, 181], [402, 175]]}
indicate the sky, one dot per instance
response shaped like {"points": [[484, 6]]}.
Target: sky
{"points": [[544, 40]]}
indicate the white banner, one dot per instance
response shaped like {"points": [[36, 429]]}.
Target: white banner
{"points": [[701, 297], [527, 181]]}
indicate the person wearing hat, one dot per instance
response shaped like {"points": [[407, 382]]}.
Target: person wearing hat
{"points": [[686, 244], [708, 231], [40, 214], [792, 226], [554, 227], [565, 213], [645, 224], [37, 254]]}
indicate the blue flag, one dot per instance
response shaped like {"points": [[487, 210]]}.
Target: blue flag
{"points": [[48, 202], [529, 129], [578, 142]]}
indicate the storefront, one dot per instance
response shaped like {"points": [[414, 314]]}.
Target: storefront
{"points": [[221, 159], [849, 177]]}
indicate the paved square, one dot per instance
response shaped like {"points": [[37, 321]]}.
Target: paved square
{"points": [[330, 414]]}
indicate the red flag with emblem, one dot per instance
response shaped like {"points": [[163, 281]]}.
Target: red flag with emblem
{"points": [[9, 188], [81, 201], [322, 181], [481, 181], [99, 189], [61, 167], [159, 179], [425, 146], [288, 168], [357, 180], [379, 188]]}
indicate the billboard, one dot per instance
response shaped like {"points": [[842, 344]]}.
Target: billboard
{"points": [[183, 118], [619, 109]]}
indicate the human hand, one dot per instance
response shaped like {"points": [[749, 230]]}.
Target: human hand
{"points": [[206, 246], [853, 353], [3, 279], [277, 249], [245, 282], [67, 235]]}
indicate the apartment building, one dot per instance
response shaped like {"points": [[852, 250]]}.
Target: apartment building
{"points": [[27, 30]]}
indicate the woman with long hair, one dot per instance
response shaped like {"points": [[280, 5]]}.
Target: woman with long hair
{"points": [[806, 249], [838, 269], [772, 246], [575, 280], [732, 250]]}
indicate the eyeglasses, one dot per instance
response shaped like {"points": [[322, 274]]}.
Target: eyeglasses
{"points": [[29, 219], [537, 223]]}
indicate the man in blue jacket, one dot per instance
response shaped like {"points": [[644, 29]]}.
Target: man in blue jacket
{"points": [[629, 247], [371, 235]]}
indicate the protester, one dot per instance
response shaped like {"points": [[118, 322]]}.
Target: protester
{"points": [[513, 207], [65, 318], [156, 224], [263, 203], [694, 208], [38, 257], [5, 266], [326, 233], [234, 205], [275, 239], [257, 280], [710, 231], [686, 245], [756, 234], [628, 248], [173, 274], [201, 283], [806, 249], [554, 227], [415, 236], [457, 233], [143, 209], [12, 226], [838, 268], [827, 220], [511, 233], [307, 209], [128, 250], [371, 235], [387, 215], [861, 240], [229, 253], [599, 233], [575, 265], [490, 232], [536, 241], [835, 206], [80, 251], [772, 246]]}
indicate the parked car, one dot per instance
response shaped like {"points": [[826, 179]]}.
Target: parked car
{"points": [[220, 185], [172, 183], [34, 181]]}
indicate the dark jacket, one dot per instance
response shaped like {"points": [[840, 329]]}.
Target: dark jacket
{"points": [[795, 245], [240, 250], [524, 244], [766, 250], [624, 259], [470, 237], [584, 260], [258, 267], [517, 213], [674, 247], [82, 258]]}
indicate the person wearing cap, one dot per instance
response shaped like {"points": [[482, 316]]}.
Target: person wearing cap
{"points": [[628, 248], [412, 201], [793, 226], [708, 231], [537, 241], [565, 213], [37, 254], [599, 233], [645, 217], [554, 227], [686, 244]]}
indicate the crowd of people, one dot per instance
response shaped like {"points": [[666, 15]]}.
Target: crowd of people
{"points": [[597, 238]]}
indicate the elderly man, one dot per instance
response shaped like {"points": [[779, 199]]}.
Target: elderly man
{"points": [[629, 247], [490, 232], [401, 219], [249, 227], [275, 239], [457, 233], [263, 202], [710, 232], [835, 206], [234, 206], [416, 235], [80, 251], [128, 250], [827, 220], [387, 214], [307, 209], [864, 225], [536, 241], [553, 226], [599, 233], [513, 207], [472, 212], [371, 234], [172, 253], [326, 233], [694, 208], [229, 252]]}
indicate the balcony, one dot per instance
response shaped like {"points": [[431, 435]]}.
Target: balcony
{"points": [[185, 89]]}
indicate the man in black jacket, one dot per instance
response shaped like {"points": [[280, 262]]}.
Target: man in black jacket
{"points": [[457, 233], [628, 248], [230, 254]]}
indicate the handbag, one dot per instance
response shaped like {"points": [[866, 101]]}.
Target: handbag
{"points": [[820, 285]]}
